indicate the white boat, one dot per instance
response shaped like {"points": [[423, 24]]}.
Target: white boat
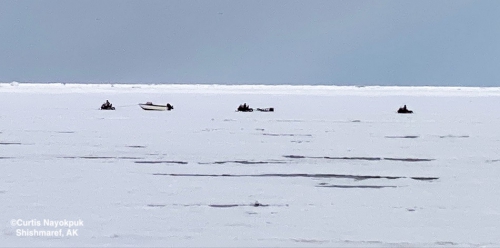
{"points": [[151, 106]]}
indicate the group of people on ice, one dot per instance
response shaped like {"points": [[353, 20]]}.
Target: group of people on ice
{"points": [[242, 108], [245, 108]]}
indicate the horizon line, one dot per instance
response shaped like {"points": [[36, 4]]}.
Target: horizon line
{"points": [[245, 84]]}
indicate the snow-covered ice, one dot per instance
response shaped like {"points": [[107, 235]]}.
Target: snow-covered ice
{"points": [[332, 166]]}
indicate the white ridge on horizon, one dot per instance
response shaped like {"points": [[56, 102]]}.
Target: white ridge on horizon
{"points": [[249, 89]]}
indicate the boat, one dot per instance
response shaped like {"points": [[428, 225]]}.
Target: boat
{"points": [[157, 107]]}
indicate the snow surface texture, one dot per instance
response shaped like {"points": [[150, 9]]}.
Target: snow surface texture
{"points": [[332, 166]]}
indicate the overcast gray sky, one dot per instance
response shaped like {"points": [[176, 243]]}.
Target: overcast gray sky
{"points": [[375, 42]]}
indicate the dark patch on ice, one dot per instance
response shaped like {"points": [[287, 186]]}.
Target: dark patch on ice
{"points": [[287, 134], [2, 191], [259, 129], [247, 162], [293, 156], [96, 157], [258, 204], [355, 186], [453, 136], [355, 177], [342, 176], [187, 205], [66, 132], [250, 162], [137, 146], [410, 159], [159, 162], [493, 161], [356, 121], [403, 137], [425, 178], [410, 209], [223, 205], [335, 158], [300, 141], [255, 204], [363, 158], [101, 157], [229, 120], [10, 143], [351, 158]]}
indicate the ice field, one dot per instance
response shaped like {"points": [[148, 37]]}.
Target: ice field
{"points": [[332, 166]]}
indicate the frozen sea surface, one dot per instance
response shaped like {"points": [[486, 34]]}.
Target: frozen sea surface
{"points": [[332, 166]]}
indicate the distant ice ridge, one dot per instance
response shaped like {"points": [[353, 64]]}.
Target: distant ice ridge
{"points": [[249, 89]]}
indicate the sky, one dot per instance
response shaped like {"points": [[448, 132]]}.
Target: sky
{"points": [[327, 42]]}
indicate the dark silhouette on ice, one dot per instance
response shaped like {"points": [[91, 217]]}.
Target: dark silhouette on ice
{"points": [[10, 143], [404, 110], [107, 106], [265, 109], [363, 158], [403, 137], [256, 204], [354, 186], [244, 108]]}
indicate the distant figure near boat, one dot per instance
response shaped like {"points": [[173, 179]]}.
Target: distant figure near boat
{"points": [[244, 108], [151, 106], [404, 110], [107, 106]]}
